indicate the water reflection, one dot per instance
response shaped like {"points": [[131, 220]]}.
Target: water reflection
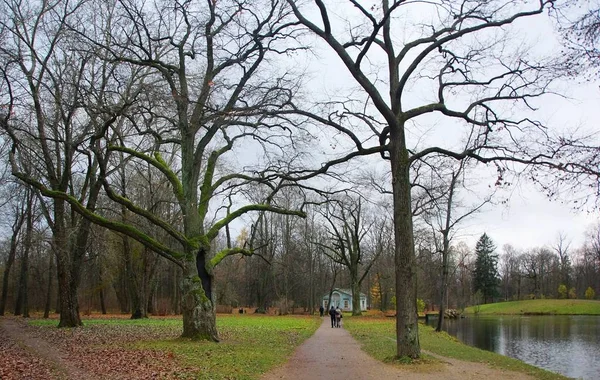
{"points": [[569, 345]]}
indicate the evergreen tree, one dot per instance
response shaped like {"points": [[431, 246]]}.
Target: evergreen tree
{"points": [[485, 276]]}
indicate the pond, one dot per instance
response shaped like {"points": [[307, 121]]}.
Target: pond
{"points": [[569, 345]]}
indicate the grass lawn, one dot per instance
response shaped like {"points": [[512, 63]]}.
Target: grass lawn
{"points": [[545, 306], [377, 337], [250, 344]]}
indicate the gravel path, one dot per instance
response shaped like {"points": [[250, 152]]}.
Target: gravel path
{"points": [[333, 354]]}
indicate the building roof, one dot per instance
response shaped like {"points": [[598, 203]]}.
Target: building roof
{"points": [[345, 291]]}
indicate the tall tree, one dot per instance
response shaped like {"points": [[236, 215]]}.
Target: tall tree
{"points": [[562, 248], [461, 51], [22, 302], [347, 227], [54, 122], [444, 217], [19, 215], [485, 274], [204, 92]]}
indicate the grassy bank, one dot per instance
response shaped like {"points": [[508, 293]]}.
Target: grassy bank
{"points": [[377, 337], [538, 307], [250, 344]]}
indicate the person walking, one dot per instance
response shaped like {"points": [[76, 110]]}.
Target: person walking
{"points": [[321, 310], [338, 317], [332, 315]]}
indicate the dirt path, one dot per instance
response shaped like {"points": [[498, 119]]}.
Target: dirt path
{"points": [[16, 331], [333, 354]]}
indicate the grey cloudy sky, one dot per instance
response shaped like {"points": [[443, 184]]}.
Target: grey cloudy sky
{"points": [[529, 219]]}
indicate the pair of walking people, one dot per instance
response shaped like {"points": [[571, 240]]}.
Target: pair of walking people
{"points": [[336, 316]]}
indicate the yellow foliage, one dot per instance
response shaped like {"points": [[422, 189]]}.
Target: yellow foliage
{"points": [[242, 238]]}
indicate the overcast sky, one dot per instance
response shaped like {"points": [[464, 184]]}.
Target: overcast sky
{"points": [[529, 219]]}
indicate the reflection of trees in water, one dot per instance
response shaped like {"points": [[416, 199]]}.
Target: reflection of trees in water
{"points": [[569, 345]]}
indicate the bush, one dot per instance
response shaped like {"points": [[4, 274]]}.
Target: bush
{"points": [[590, 293], [572, 293], [562, 291], [420, 305]]}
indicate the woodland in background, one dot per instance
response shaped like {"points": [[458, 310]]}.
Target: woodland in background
{"points": [[290, 271]]}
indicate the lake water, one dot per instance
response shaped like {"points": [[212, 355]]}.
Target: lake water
{"points": [[569, 345]]}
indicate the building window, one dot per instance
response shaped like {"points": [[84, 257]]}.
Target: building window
{"points": [[345, 304]]}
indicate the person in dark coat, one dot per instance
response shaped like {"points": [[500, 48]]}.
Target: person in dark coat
{"points": [[321, 310], [332, 315]]}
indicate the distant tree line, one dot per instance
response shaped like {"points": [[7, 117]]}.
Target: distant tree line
{"points": [[291, 269]]}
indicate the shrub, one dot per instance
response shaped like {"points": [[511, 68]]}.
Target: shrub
{"points": [[590, 293], [562, 291], [420, 305], [572, 293]]}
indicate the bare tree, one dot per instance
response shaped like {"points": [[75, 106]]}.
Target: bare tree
{"points": [[19, 215], [446, 214], [52, 120], [210, 107], [462, 51], [562, 248], [347, 227]]}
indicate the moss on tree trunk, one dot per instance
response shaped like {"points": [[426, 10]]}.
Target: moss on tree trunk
{"points": [[199, 313]]}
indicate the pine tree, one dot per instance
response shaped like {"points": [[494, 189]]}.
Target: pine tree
{"points": [[485, 276]]}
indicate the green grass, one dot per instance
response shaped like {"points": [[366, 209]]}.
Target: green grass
{"points": [[545, 306], [377, 337], [250, 344]]}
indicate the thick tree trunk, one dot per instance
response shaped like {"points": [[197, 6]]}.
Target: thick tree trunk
{"points": [[199, 313], [407, 331], [356, 297], [138, 306], [69, 304], [355, 288]]}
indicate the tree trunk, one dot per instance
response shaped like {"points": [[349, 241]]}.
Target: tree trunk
{"points": [[69, 305], [356, 297], [22, 286], [101, 287], [443, 291], [49, 287], [151, 308], [9, 263], [407, 331], [120, 288], [22, 304], [138, 306], [176, 290], [197, 302]]}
